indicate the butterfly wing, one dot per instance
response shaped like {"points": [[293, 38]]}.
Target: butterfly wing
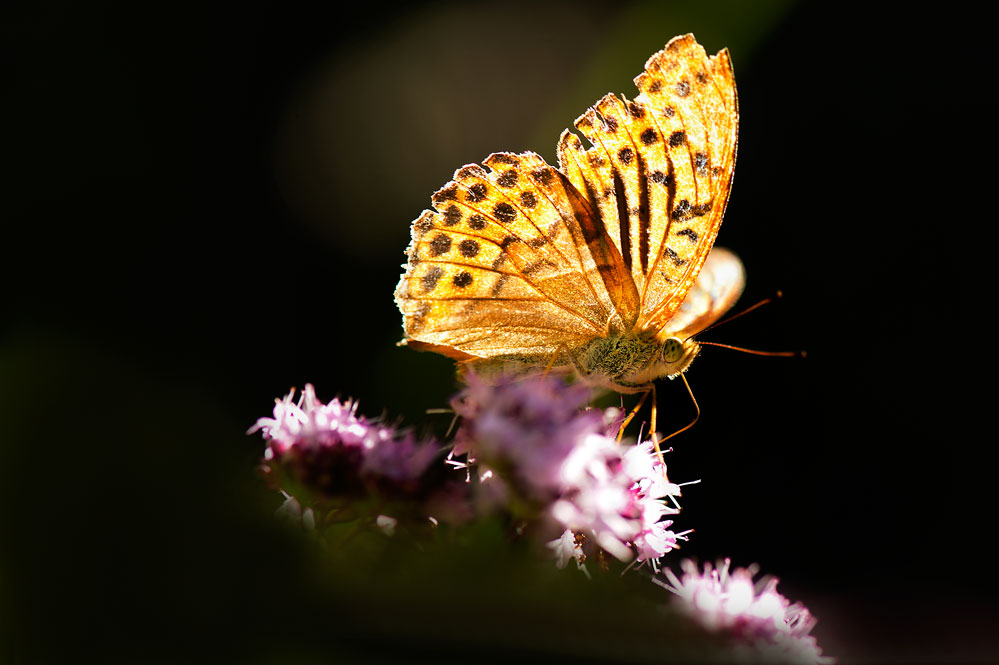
{"points": [[703, 135], [505, 265], [716, 290], [518, 258], [659, 170]]}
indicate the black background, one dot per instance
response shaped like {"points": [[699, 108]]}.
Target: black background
{"points": [[208, 206]]}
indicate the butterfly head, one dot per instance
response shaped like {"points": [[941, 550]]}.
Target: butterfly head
{"points": [[675, 356]]}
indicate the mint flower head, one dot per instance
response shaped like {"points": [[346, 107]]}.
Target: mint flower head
{"points": [[330, 449], [539, 443], [763, 625], [524, 428], [617, 494]]}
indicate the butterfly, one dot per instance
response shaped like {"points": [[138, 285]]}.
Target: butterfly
{"points": [[603, 266]]}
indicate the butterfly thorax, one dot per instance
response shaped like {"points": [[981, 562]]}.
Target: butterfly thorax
{"points": [[630, 362]]}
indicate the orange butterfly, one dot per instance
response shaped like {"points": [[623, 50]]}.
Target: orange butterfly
{"points": [[601, 266]]}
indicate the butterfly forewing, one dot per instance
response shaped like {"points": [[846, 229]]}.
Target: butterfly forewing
{"points": [[501, 266], [695, 108]]}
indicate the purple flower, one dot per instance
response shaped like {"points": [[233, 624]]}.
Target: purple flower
{"points": [[331, 449], [566, 548], [616, 494], [524, 429], [651, 489], [535, 439], [762, 622]]}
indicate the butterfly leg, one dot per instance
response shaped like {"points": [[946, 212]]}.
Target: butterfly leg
{"points": [[562, 348], [689, 425], [652, 427], [631, 416], [655, 437]]}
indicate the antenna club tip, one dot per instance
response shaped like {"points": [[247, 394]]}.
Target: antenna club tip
{"points": [[802, 354], [779, 294]]}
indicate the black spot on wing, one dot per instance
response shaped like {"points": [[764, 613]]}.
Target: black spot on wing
{"points": [[689, 234], [476, 193], [446, 194], [508, 179], [702, 209], [701, 163], [674, 257], [471, 171], [636, 111], [504, 212], [469, 248], [440, 245], [543, 175], [681, 210], [424, 223], [504, 158], [430, 278], [452, 215], [500, 283]]}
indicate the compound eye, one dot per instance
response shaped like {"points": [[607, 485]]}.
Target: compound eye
{"points": [[672, 350]]}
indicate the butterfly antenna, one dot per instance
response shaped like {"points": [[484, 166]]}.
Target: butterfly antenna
{"points": [[780, 354], [766, 301]]}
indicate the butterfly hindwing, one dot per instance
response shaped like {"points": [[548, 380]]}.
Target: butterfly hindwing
{"points": [[717, 288]]}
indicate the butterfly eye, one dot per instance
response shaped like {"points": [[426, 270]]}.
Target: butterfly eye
{"points": [[672, 350]]}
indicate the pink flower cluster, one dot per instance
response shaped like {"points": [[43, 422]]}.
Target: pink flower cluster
{"points": [[617, 495], [535, 436], [331, 449], [542, 457], [761, 622]]}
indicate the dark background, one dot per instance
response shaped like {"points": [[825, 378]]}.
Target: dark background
{"points": [[208, 206]]}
